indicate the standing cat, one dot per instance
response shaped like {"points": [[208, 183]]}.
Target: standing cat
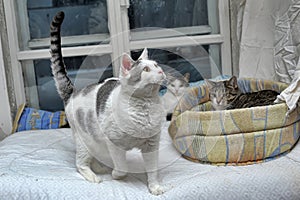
{"points": [[176, 87], [117, 115], [227, 95]]}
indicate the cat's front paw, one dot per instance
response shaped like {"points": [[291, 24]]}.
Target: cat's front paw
{"points": [[90, 176], [156, 189], [117, 175]]}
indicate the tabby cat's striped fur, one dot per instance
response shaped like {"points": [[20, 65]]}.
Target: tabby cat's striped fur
{"points": [[113, 117], [227, 95]]}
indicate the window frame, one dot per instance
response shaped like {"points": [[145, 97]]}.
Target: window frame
{"points": [[119, 28], [5, 111]]}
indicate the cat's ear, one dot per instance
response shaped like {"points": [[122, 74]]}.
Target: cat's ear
{"points": [[187, 77], [210, 84], [233, 82], [144, 55], [126, 65]]}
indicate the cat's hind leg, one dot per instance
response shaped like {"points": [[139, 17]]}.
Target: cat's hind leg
{"points": [[98, 167], [119, 159], [83, 162]]}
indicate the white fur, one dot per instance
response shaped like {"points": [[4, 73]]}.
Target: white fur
{"points": [[132, 119], [175, 90]]}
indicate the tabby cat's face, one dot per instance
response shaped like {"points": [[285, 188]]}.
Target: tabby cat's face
{"points": [[222, 93], [178, 85]]}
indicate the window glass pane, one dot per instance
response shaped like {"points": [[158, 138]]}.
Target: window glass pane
{"points": [[82, 17], [200, 61], [197, 16], [40, 87]]}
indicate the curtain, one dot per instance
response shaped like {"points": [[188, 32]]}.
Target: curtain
{"points": [[270, 39], [270, 45]]}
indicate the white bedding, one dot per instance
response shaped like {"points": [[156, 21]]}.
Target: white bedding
{"points": [[41, 165]]}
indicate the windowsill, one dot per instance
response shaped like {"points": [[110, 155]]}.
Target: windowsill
{"points": [[136, 34], [155, 33]]}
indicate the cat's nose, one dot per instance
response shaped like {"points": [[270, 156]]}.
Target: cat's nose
{"points": [[219, 101], [163, 75]]}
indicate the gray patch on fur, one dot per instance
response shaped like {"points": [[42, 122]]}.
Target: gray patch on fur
{"points": [[135, 74], [86, 90], [91, 123], [80, 118], [103, 94], [86, 121]]}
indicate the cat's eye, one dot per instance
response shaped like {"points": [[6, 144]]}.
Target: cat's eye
{"points": [[172, 85], [146, 69]]}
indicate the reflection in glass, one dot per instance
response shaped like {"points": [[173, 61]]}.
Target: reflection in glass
{"points": [[83, 17], [196, 60], [82, 71], [167, 14]]}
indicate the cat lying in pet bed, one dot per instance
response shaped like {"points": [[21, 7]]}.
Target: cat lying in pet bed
{"points": [[237, 136], [226, 94]]}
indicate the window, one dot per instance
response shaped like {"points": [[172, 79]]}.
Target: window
{"points": [[187, 35]]}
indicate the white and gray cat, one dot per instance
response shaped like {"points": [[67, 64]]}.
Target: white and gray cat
{"points": [[115, 116], [177, 85]]}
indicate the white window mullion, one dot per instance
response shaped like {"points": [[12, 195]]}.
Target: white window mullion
{"points": [[171, 32], [225, 31], [177, 41], [31, 90], [71, 40], [67, 52], [214, 51], [23, 24], [125, 25], [116, 33], [12, 31]]}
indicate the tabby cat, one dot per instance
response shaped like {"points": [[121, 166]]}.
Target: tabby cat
{"points": [[114, 116], [176, 87], [227, 95]]}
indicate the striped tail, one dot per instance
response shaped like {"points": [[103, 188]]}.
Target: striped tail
{"points": [[64, 85]]}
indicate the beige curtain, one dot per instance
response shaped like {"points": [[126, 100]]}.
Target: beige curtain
{"points": [[269, 39], [270, 44]]}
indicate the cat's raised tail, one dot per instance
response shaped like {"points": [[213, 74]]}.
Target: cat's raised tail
{"points": [[63, 83]]}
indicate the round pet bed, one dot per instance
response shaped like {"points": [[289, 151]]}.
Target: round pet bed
{"points": [[239, 136]]}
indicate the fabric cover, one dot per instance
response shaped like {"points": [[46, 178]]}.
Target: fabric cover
{"points": [[239, 136], [290, 95], [40, 164], [33, 119]]}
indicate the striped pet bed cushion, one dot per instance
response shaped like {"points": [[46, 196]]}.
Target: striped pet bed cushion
{"points": [[239, 136]]}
